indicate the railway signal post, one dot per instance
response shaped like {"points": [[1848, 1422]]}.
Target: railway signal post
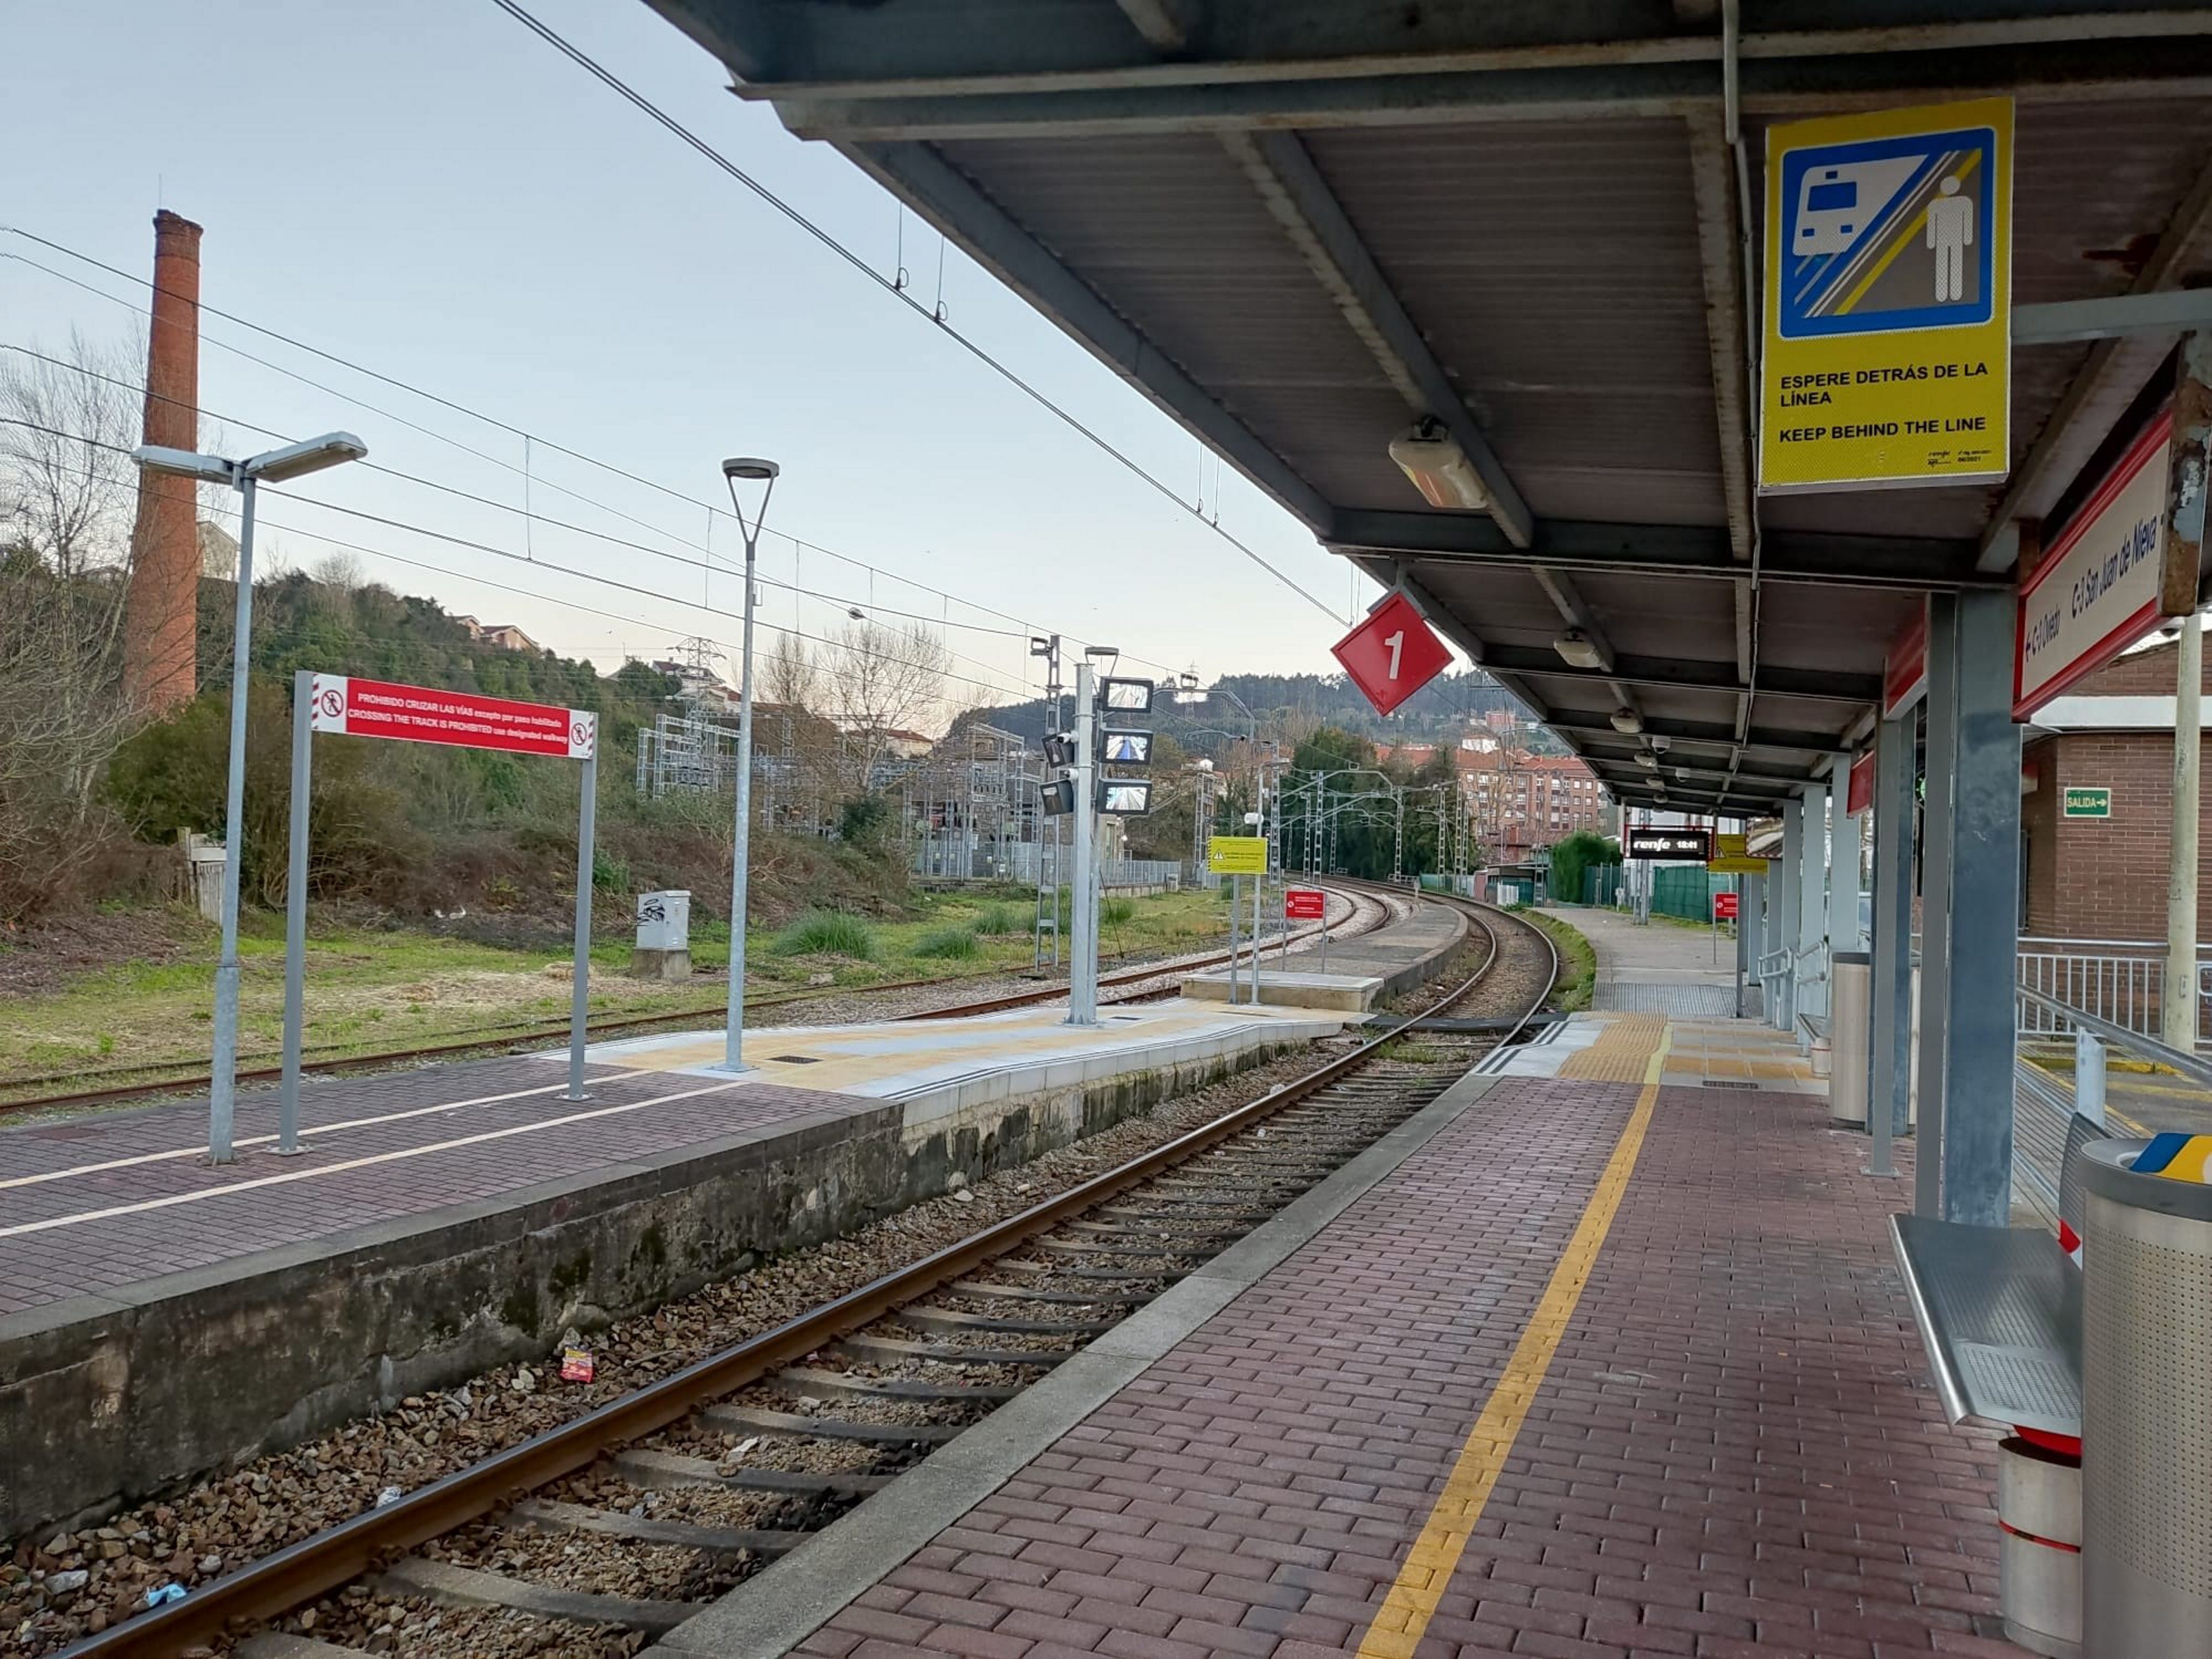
{"points": [[1085, 790]]}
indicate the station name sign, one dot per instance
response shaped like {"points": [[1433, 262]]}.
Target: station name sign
{"points": [[1696, 844], [2097, 592], [423, 714]]}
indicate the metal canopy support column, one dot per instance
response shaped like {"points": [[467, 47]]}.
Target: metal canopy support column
{"points": [[1844, 848], [1750, 925], [1811, 995], [1891, 1028], [1935, 872], [1781, 914], [1985, 859]]}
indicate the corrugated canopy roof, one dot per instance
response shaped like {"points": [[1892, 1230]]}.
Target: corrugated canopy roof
{"points": [[1298, 225]]}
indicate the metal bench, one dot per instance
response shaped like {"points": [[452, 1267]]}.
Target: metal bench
{"points": [[1999, 1311]]}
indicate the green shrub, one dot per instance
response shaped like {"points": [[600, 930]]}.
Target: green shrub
{"points": [[952, 943], [828, 933], [996, 920], [1116, 912]]}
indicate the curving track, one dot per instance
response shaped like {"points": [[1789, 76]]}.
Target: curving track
{"points": [[620, 1522]]}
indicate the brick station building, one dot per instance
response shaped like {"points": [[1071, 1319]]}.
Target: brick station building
{"points": [[2105, 878]]}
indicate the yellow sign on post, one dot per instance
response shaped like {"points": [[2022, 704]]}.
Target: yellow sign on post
{"points": [[1236, 856], [1731, 857], [1888, 299], [1736, 867]]}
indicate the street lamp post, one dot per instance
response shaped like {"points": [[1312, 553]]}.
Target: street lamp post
{"points": [[271, 467], [744, 469]]}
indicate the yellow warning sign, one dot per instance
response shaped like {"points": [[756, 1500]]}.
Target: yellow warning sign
{"points": [[1236, 856], [1888, 299], [1736, 867], [1731, 846]]}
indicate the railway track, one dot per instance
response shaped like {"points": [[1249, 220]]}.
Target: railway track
{"points": [[594, 1536], [1372, 910]]}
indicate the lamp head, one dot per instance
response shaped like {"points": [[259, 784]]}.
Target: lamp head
{"points": [[752, 469], [311, 455], [184, 464]]}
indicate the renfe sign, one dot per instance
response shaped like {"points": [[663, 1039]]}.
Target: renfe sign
{"points": [[1670, 844], [2096, 592], [418, 713]]}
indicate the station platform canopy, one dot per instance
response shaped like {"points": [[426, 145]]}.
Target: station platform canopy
{"points": [[1303, 226]]}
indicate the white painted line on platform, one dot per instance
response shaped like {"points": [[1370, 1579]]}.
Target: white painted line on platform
{"points": [[198, 1149], [291, 1176]]}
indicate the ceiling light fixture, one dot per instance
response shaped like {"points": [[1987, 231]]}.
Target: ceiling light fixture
{"points": [[1431, 457], [1628, 720], [1576, 651]]}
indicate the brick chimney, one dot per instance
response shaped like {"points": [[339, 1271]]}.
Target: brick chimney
{"points": [[161, 609]]}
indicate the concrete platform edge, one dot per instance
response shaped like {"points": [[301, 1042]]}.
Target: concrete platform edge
{"points": [[769, 1614]]}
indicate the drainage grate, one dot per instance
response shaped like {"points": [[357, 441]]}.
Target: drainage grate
{"points": [[1727, 1083], [796, 1060]]}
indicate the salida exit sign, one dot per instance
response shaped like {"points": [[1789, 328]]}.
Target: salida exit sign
{"points": [[2081, 803]]}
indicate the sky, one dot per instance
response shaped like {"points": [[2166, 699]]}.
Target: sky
{"points": [[426, 190]]}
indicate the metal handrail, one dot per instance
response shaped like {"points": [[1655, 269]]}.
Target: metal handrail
{"points": [[2188, 1066]]}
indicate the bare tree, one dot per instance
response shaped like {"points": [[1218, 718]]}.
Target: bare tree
{"points": [[880, 680], [67, 493], [340, 571], [790, 676]]}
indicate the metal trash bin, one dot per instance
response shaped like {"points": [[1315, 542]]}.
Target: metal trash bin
{"points": [[1850, 1043], [2145, 1410]]}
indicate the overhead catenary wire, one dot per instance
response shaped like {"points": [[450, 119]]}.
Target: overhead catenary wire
{"points": [[800, 543], [710, 564], [1014, 690], [888, 285]]}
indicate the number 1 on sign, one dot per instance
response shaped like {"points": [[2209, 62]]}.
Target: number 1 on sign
{"points": [[1397, 642]]}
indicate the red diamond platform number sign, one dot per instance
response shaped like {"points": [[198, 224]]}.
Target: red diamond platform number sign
{"points": [[1392, 654]]}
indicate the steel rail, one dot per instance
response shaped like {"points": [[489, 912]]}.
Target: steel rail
{"points": [[519, 1034], [268, 1588]]}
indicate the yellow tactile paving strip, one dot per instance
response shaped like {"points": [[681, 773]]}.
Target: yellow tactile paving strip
{"points": [[1622, 1049], [864, 1059], [1694, 1051]]}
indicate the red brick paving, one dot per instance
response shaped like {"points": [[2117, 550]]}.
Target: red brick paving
{"points": [[48, 1266], [1734, 1451]]}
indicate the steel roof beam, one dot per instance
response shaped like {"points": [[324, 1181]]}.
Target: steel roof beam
{"points": [[1720, 270], [1162, 22], [1669, 768], [1576, 546], [1688, 673], [991, 237], [851, 53], [1552, 85], [2107, 380], [1720, 804], [1300, 200], [1708, 734]]}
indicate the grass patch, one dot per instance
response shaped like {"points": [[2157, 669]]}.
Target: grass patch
{"points": [[1413, 1053], [379, 988], [948, 945], [1116, 912], [999, 920], [828, 933], [1577, 961]]}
